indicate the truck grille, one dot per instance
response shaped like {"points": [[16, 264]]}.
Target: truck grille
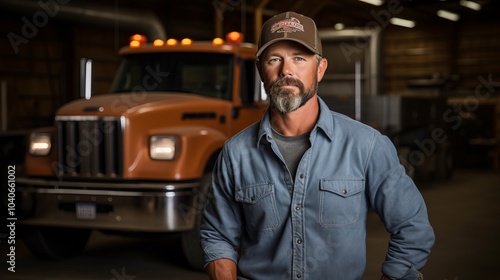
{"points": [[89, 147]]}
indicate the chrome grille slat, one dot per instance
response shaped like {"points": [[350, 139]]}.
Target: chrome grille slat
{"points": [[109, 151], [84, 148], [95, 157], [89, 147], [69, 152]]}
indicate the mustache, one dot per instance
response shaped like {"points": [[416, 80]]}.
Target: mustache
{"points": [[286, 81]]}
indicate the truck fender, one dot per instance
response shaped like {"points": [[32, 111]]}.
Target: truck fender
{"points": [[197, 148], [201, 147]]}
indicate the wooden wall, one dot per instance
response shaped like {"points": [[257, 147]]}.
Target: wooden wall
{"points": [[42, 73], [461, 53], [478, 53], [469, 56]]}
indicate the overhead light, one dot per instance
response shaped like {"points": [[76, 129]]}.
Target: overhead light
{"points": [[448, 15], [339, 26], [471, 5], [374, 2], [402, 22]]}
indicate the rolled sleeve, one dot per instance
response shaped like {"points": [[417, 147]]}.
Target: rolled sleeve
{"points": [[220, 228]]}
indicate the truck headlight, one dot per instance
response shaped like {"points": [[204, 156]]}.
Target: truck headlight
{"points": [[162, 147], [39, 144]]}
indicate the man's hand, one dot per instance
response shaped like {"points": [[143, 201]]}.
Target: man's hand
{"points": [[222, 269]]}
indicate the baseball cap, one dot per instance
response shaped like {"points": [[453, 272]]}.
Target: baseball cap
{"points": [[290, 26]]}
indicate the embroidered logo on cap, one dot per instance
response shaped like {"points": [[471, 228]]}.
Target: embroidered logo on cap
{"points": [[288, 25]]}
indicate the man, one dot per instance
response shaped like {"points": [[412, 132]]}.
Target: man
{"points": [[291, 194]]}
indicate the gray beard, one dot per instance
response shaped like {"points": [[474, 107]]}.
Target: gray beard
{"points": [[284, 100]]}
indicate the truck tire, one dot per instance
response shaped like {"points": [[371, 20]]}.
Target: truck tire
{"points": [[55, 243], [191, 239]]}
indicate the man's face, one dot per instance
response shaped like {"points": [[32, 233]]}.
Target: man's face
{"points": [[290, 74]]}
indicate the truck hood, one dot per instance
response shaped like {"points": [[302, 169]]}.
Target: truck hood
{"points": [[129, 103]]}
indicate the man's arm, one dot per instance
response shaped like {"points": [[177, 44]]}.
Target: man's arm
{"points": [[222, 269], [401, 207], [221, 227]]}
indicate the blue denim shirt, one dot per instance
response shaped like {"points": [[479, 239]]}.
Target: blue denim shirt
{"points": [[313, 227]]}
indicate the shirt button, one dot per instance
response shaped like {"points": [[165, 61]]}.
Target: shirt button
{"points": [[297, 208], [301, 176], [299, 241], [299, 275], [344, 191], [252, 198]]}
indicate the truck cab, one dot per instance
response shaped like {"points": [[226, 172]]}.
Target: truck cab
{"points": [[139, 158]]}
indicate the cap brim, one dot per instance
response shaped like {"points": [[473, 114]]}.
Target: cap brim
{"points": [[264, 47]]}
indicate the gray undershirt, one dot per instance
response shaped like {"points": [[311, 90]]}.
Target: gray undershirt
{"points": [[292, 148]]}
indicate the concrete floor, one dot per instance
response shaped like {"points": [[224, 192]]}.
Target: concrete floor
{"points": [[464, 211]]}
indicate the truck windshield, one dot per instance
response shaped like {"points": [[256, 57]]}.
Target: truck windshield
{"points": [[207, 74]]}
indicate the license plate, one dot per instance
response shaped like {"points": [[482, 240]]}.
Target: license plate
{"points": [[85, 211]]}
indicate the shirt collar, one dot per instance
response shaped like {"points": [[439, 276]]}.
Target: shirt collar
{"points": [[324, 123]]}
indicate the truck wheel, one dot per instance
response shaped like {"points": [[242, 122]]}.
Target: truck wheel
{"points": [[191, 239], [53, 243]]}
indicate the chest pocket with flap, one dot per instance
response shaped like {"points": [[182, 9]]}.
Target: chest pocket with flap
{"points": [[340, 202], [259, 205]]}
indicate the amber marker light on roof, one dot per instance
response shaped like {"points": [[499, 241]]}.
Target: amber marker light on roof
{"points": [[217, 41], [172, 42], [138, 37], [135, 44], [137, 40], [234, 37], [158, 43], [186, 42]]}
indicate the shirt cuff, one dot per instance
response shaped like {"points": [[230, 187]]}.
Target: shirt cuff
{"points": [[399, 271], [216, 251]]}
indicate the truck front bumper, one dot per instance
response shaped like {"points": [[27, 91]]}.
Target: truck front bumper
{"points": [[142, 207]]}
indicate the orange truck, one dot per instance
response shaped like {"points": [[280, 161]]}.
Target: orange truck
{"points": [[139, 159]]}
